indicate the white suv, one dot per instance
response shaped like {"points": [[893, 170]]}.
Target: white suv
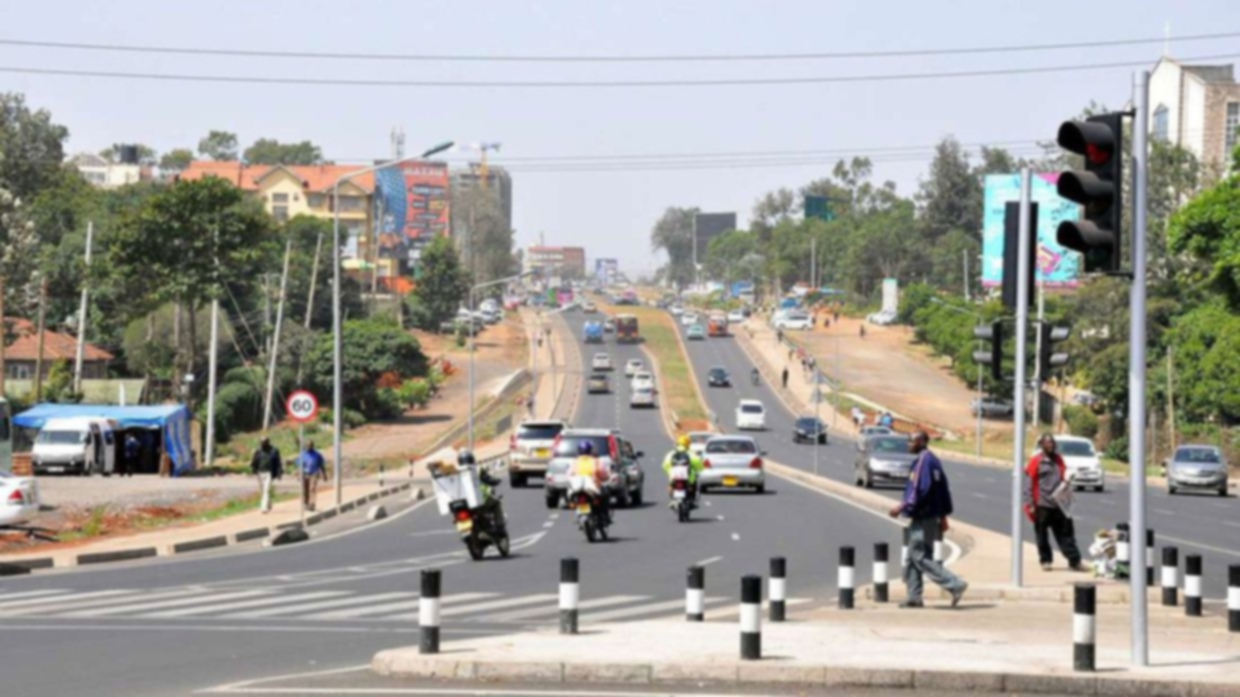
{"points": [[633, 367], [750, 416], [530, 450], [601, 361]]}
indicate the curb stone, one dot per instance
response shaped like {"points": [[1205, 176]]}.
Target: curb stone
{"points": [[247, 535], [196, 545], [376, 513], [25, 566], [118, 555]]}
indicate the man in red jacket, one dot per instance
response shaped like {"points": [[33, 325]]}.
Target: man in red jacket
{"points": [[1045, 473]]}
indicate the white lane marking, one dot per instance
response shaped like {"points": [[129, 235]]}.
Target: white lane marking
{"points": [[432, 533], [1198, 545], [357, 612], [705, 562], [708, 503], [86, 600], [553, 516], [555, 609], [30, 594], [241, 605], [492, 605], [641, 610], [1163, 511], [719, 518], [178, 602], [980, 495], [736, 537], [321, 605], [548, 524]]}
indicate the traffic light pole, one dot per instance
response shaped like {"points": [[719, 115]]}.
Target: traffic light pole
{"points": [[1022, 331], [1136, 377]]}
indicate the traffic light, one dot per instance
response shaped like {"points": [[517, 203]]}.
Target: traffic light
{"points": [[1048, 358], [994, 357], [1098, 188]]}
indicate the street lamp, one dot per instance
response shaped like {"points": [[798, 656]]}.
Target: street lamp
{"points": [[337, 342], [473, 342], [979, 317]]}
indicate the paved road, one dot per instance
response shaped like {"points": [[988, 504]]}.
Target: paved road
{"points": [[168, 627], [1206, 525]]}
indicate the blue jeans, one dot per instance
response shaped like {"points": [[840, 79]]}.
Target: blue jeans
{"points": [[921, 536]]}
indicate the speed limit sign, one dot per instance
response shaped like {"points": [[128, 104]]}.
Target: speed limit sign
{"points": [[302, 406]]}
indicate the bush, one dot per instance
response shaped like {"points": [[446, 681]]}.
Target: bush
{"points": [[1081, 421], [415, 393], [1117, 449]]}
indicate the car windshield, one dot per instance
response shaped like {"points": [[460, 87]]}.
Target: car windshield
{"points": [[808, 424], [751, 408], [1207, 455], [718, 372], [539, 431], [889, 445], [797, 316], [567, 447], [1076, 448], [598, 377], [62, 437], [731, 446], [601, 357]]}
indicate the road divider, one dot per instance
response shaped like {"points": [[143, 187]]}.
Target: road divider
{"points": [[879, 575], [1192, 585], [751, 618], [777, 589], [847, 577], [1170, 576]]}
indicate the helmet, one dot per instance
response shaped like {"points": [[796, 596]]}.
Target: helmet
{"points": [[466, 457], [682, 442], [585, 447]]}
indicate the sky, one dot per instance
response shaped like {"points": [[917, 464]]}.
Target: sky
{"points": [[606, 208]]}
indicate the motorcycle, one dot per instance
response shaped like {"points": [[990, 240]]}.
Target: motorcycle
{"points": [[459, 494], [479, 529], [681, 502], [590, 518]]}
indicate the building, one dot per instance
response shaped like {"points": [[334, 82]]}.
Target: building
{"points": [[109, 175], [22, 356], [499, 185], [562, 262], [1196, 107]]}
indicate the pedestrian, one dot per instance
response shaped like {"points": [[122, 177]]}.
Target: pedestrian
{"points": [[836, 316], [313, 471], [779, 335], [927, 503], [265, 464], [133, 453], [783, 377], [858, 416], [886, 420], [862, 331], [1044, 480]]}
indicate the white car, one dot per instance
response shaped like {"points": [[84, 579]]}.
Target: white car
{"points": [[642, 380], [1081, 462], [882, 318], [589, 308], [633, 367], [601, 361], [736, 317], [688, 319], [676, 310], [19, 499], [750, 416], [794, 320], [732, 462], [642, 397]]}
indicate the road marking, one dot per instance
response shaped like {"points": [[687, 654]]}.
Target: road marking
{"points": [[719, 518], [980, 495], [554, 609], [1163, 511], [705, 562], [640, 610], [431, 533], [708, 503], [355, 613], [178, 602], [86, 600], [1234, 525], [553, 516], [242, 605], [492, 605], [29, 594], [736, 537], [1198, 545], [321, 605], [548, 524]]}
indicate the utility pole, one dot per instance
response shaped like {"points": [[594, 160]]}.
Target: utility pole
{"points": [[4, 334], [38, 364], [965, 253], [79, 358], [1022, 349], [1171, 440], [275, 341], [1136, 376], [213, 359], [314, 277]]}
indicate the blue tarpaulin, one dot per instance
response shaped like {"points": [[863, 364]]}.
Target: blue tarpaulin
{"points": [[171, 420]]}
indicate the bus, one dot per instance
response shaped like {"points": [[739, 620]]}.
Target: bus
{"points": [[626, 329], [717, 325]]}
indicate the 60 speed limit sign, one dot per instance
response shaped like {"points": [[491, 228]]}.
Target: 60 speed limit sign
{"points": [[302, 406]]}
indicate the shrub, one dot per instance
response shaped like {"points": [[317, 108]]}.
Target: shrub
{"points": [[1117, 449], [1081, 420], [415, 393]]}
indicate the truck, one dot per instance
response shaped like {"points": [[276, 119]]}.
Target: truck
{"points": [[626, 329], [592, 332], [717, 325]]}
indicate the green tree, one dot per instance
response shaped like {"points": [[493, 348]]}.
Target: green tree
{"points": [[268, 151], [1208, 228], [950, 195], [734, 255], [442, 285], [372, 349], [176, 160], [773, 208], [673, 234], [485, 235], [219, 146], [31, 148]]}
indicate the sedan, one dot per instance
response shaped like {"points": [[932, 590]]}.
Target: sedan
{"points": [[676, 310], [718, 377], [642, 397], [992, 407], [689, 319], [633, 367], [599, 384], [732, 462], [643, 380], [609, 326], [695, 332], [883, 460], [19, 500], [867, 431], [698, 441], [750, 416], [808, 429], [601, 361], [1197, 468], [736, 317], [794, 320], [589, 308]]}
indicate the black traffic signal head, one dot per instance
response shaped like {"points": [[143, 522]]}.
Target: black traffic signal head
{"points": [[1048, 358], [993, 356], [1098, 188]]}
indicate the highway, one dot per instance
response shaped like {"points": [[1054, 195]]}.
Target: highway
{"points": [[164, 627], [1197, 524]]}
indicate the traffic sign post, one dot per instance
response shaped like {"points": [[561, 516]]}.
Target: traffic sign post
{"points": [[302, 406]]}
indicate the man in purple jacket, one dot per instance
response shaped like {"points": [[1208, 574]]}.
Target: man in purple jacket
{"points": [[927, 503]]}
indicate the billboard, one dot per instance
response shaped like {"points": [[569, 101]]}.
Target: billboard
{"points": [[605, 269], [708, 226], [411, 208], [1056, 267]]}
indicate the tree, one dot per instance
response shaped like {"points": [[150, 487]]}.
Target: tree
{"points": [[1208, 228], [772, 209], [442, 285], [308, 233], [372, 350], [268, 151], [951, 196], [486, 238], [31, 147], [113, 153], [219, 146], [673, 234], [176, 160], [731, 257]]}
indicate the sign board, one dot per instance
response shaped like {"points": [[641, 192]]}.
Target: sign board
{"points": [[819, 207], [891, 295], [1057, 267], [302, 406]]}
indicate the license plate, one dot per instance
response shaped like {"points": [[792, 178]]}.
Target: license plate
{"points": [[464, 525], [729, 481], [55, 469], [542, 452], [678, 494], [583, 508]]}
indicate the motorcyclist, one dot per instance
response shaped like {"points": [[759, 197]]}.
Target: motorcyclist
{"points": [[491, 505], [680, 455], [591, 468]]}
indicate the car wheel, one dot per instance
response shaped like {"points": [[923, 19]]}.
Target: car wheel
{"points": [[1099, 488], [516, 481], [553, 500], [1170, 490], [761, 489], [1222, 491], [869, 481], [638, 497]]}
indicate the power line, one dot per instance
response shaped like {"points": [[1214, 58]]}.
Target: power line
{"points": [[656, 58], [589, 84]]}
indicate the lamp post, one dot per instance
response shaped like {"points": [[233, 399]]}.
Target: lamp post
{"points": [[953, 308], [473, 343], [337, 342]]}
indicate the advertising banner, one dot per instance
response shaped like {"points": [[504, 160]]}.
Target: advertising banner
{"points": [[605, 269], [891, 295], [1056, 267], [411, 208]]}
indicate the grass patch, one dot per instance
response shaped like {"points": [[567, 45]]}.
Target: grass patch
{"points": [[245, 504], [676, 391]]}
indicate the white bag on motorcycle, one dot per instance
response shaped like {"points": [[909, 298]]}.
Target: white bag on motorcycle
{"points": [[678, 473], [460, 486], [578, 483]]}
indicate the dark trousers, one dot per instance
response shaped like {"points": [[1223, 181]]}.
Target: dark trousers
{"points": [[1052, 520]]}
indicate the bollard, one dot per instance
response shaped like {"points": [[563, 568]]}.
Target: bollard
{"points": [[904, 552], [1170, 576], [695, 595], [1084, 627], [1192, 585], [1123, 551], [777, 589], [880, 572], [428, 612], [846, 577], [1149, 558], [380, 476], [1233, 598], [751, 618], [938, 551], [411, 468], [570, 594]]}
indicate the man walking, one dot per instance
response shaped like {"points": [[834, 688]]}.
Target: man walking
{"points": [[265, 464], [133, 450], [783, 377], [927, 503], [1044, 477], [312, 472], [858, 417]]}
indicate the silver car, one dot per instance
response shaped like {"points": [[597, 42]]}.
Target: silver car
{"points": [[883, 459], [642, 397], [529, 450], [612, 449], [732, 462], [1197, 468]]}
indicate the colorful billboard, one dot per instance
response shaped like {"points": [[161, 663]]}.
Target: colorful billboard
{"points": [[411, 207], [1057, 267], [605, 269]]}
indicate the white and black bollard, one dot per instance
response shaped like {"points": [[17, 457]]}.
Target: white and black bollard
{"points": [[751, 618], [777, 589], [904, 552], [939, 548], [1170, 576], [1192, 585], [847, 577], [1233, 598], [1084, 627], [880, 572], [1150, 558], [695, 595], [1123, 551], [428, 612], [570, 595]]}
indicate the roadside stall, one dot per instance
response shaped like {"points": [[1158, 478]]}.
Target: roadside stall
{"points": [[160, 430]]}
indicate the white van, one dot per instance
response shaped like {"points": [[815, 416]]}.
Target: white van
{"points": [[80, 445]]}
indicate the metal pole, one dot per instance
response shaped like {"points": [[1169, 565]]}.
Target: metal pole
{"points": [[1136, 376], [473, 346], [979, 411], [213, 353], [337, 351], [965, 254], [80, 357], [1022, 331], [301, 472], [275, 339], [817, 420]]}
